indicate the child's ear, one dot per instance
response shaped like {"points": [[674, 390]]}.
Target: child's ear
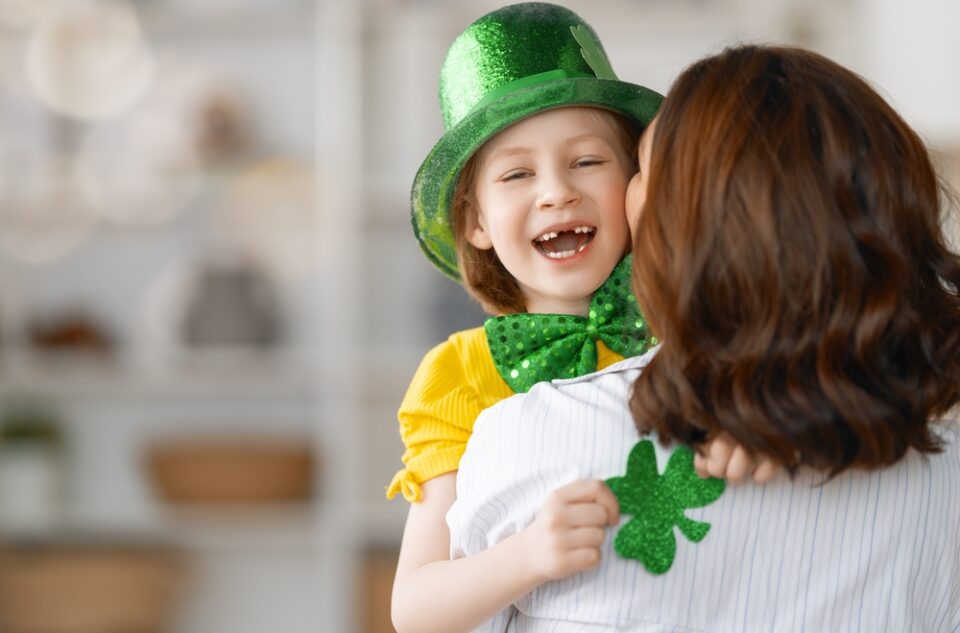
{"points": [[476, 231]]}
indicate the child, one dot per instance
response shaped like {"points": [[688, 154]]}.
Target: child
{"points": [[789, 251], [523, 200], [510, 66]]}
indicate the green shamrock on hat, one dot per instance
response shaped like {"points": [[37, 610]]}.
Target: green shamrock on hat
{"points": [[657, 503]]}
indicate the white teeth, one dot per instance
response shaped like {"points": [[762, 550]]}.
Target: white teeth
{"points": [[564, 254], [552, 234]]}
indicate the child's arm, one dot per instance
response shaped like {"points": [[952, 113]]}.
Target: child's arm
{"points": [[433, 594], [723, 457]]}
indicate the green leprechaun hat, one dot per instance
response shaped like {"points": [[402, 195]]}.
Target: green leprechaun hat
{"points": [[508, 65]]}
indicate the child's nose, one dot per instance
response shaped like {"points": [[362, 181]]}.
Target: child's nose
{"points": [[558, 191]]}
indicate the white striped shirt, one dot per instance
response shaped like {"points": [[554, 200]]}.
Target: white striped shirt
{"points": [[866, 551]]}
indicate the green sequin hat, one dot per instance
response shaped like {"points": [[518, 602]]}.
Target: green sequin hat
{"points": [[508, 65]]}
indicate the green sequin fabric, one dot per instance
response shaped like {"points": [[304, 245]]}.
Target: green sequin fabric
{"points": [[657, 503], [529, 58], [531, 348]]}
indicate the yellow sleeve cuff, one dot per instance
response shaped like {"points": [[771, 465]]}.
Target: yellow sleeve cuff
{"points": [[406, 483], [423, 468]]}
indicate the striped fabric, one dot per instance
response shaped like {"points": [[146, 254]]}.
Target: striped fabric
{"points": [[870, 552]]}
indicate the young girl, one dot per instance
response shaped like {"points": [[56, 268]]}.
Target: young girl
{"points": [[523, 201], [507, 68], [789, 251]]}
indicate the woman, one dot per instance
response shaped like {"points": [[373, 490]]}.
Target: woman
{"points": [[795, 269]]}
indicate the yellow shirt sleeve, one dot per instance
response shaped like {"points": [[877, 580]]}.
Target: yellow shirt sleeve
{"points": [[456, 380]]}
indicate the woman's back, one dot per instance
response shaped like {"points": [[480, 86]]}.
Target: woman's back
{"points": [[866, 551], [789, 254]]}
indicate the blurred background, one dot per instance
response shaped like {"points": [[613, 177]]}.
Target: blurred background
{"points": [[211, 301]]}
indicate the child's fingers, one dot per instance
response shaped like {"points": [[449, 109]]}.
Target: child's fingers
{"points": [[766, 471], [586, 514], [585, 490], [581, 559], [718, 453], [584, 537], [739, 466], [700, 465], [609, 501], [724, 458], [590, 491]]}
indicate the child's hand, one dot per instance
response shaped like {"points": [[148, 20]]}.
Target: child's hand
{"points": [[722, 457], [566, 535]]}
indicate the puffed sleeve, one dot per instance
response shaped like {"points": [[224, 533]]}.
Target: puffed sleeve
{"points": [[436, 420]]}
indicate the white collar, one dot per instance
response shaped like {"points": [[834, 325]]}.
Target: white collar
{"points": [[627, 364]]}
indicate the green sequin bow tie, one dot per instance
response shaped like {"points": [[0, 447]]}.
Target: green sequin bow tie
{"points": [[531, 348]]}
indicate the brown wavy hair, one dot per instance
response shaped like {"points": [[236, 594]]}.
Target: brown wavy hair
{"points": [[483, 275], [790, 257]]}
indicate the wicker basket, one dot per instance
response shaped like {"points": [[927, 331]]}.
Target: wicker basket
{"points": [[231, 471], [84, 589]]}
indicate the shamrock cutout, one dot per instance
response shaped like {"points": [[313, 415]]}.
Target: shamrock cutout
{"points": [[657, 503], [592, 53]]}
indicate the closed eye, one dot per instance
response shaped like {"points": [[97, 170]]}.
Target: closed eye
{"points": [[589, 162], [517, 174]]}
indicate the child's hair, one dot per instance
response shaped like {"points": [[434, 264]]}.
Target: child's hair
{"points": [[482, 273], [794, 266]]}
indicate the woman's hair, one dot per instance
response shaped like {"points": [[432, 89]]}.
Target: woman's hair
{"points": [[483, 275], [790, 257]]}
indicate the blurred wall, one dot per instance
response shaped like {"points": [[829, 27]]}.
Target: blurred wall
{"points": [[204, 235]]}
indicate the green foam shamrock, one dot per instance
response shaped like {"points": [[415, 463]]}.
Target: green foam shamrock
{"points": [[592, 53], [657, 503]]}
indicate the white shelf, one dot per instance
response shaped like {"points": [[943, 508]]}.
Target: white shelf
{"points": [[199, 529], [241, 376]]}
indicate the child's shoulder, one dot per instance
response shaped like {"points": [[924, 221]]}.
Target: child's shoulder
{"points": [[463, 361], [468, 339], [464, 346], [463, 349]]}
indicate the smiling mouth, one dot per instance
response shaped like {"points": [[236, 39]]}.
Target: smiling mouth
{"points": [[563, 244]]}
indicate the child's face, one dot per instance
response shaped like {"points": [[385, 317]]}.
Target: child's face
{"points": [[637, 190], [550, 194]]}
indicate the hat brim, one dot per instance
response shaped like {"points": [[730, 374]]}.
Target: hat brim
{"points": [[434, 184]]}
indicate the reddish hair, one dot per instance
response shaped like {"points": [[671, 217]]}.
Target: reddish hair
{"points": [[483, 275], [790, 257]]}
